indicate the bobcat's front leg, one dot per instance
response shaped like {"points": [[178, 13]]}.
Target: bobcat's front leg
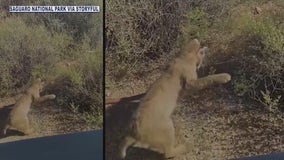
{"points": [[44, 98], [208, 81]]}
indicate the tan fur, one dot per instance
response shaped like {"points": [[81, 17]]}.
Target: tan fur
{"points": [[18, 118], [152, 126], [9, 101]]}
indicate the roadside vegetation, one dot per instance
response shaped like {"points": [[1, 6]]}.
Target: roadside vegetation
{"points": [[63, 49], [246, 39]]}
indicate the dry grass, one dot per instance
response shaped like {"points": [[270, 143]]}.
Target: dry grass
{"points": [[48, 120], [215, 123]]}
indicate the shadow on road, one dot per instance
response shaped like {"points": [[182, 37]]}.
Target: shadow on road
{"points": [[117, 120]]}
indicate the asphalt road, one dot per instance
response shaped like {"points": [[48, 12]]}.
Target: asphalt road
{"points": [[84, 145]]}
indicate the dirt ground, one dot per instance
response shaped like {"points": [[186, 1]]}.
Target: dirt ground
{"points": [[46, 120], [216, 124]]}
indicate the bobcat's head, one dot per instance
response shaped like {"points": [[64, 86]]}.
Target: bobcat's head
{"points": [[39, 84], [36, 88], [194, 52]]}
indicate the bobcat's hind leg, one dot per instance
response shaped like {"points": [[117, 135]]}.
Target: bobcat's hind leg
{"points": [[127, 142], [7, 126], [23, 125], [170, 148], [27, 130], [174, 151], [164, 139]]}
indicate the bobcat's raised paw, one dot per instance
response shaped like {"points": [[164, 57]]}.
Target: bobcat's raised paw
{"points": [[223, 78], [52, 96]]}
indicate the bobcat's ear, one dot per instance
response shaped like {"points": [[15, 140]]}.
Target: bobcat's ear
{"points": [[194, 45], [196, 41], [38, 80], [191, 48]]}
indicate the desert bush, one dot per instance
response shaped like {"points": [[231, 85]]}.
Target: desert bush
{"points": [[79, 86], [247, 44], [195, 25], [64, 49], [78, 25], [140, 32], [261, 63], [252, 43], [27, 52]]}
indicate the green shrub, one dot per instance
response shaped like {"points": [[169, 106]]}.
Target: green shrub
{"points": [[261, 62], [79, 87], [196, 25], [253, 45], [26, 52], [140, 32], [34, 45], [77, 25], [250, 44]]}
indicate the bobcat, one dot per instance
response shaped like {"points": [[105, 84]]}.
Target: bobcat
{"points": [[9, 101], [18, 118], [152, 126]]}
